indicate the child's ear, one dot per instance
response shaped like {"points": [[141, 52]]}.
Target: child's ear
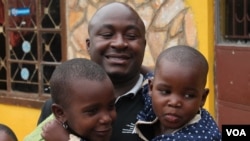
{"points": [[204, 96], [59, 113], [150, 83]]}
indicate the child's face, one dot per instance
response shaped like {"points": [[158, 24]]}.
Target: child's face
{"points": [[117, 40], [92, 110], [5, 137], [177, 94]]}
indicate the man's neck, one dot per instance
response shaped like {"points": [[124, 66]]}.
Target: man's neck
{"points": [[122, 86]]}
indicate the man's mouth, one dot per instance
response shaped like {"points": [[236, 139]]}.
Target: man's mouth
{"points": [[118, 59]]}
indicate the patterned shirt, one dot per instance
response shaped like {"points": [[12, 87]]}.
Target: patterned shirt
{"points": [[203, 128], [127, 107]]}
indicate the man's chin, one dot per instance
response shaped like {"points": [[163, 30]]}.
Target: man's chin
{"points": [[116, 75]]}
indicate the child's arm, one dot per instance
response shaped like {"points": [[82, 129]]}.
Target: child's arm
{"points": [[54, 131]]}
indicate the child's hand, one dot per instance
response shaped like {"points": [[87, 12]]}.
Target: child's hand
{"points": [[54, 131]]}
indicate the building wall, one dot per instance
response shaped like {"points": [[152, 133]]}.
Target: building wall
{"points": [[171, 22], [21, 119], [204, 19]]}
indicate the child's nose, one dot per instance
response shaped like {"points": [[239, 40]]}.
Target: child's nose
{"points": [[174, 101], [106, 118]]}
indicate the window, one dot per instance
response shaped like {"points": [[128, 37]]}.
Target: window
{"points": [[238, 19], [234, 21], [32, 45]]}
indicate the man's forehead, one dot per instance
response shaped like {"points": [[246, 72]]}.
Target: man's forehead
{"points": [[114, 10], [113, 14], [113, 6]]}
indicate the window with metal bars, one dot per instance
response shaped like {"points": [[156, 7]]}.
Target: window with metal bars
{"points": [[232, 22], [237, 19], [32, 37]]}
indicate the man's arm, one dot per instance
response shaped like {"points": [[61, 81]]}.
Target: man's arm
{"points": [[35, 135], [46, 111]]}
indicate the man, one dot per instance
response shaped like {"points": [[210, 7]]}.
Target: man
{"points": [[117, 43]]}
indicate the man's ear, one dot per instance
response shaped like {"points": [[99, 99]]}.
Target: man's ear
{"points": [[204, 96], [145, 42], [88, 44], [59, 113]]}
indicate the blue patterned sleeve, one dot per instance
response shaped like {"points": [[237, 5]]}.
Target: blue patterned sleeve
{"points": [[147, 113]]}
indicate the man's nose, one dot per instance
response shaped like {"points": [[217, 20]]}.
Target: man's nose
{"points": [[119, 42]]}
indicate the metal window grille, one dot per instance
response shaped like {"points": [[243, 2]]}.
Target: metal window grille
{"points": [[237, 18], [31, 36]]}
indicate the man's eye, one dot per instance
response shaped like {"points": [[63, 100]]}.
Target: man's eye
{"points": [[131, 36], [107, 35]]}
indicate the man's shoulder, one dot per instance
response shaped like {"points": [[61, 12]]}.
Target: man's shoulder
{"points": [[148, 75]]}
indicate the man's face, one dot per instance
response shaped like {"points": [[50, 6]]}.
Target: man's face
{"points": [[117, 41]]}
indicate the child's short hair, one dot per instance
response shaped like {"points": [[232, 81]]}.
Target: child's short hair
{"points": [[69, 71], [8, 131], [184, 55]]}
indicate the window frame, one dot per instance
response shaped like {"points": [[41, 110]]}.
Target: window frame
{"points": [[33, 100], [220, 29]]}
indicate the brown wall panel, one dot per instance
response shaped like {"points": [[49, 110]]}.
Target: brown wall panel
{"points": [[232, 72]]}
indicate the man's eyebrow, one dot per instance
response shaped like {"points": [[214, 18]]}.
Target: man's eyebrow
{"points": [[103, 27], [133, 27], [109, 26]]}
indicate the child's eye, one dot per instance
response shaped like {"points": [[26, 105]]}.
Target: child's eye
{"points": [[92, 111], [112, 106], [189, 95], [165, 92]]}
